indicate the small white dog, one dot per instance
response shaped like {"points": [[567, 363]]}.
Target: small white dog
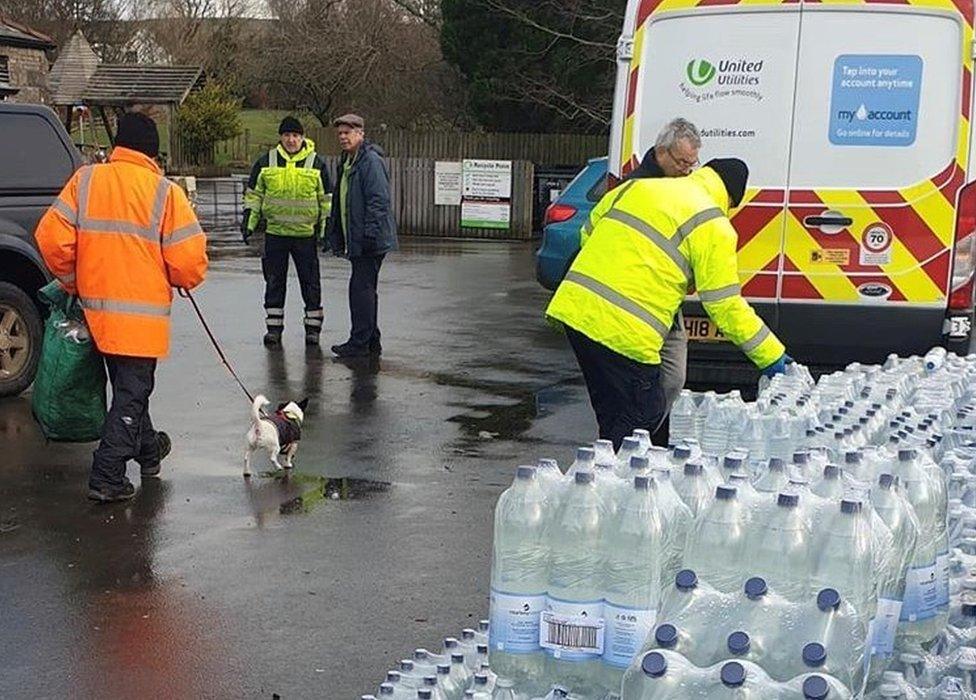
{"points": [[278, 433]]}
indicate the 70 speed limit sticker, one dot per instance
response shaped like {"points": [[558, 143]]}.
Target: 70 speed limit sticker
{"points": [[876, 244]]}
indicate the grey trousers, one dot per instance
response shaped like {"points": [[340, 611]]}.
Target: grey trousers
{"points": [[674, 363]]}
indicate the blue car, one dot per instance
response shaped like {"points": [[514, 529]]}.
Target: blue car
{"points": [[564, 219]]}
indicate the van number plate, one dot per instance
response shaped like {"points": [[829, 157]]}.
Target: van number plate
{"points": [[702, 330], [960, 326]]}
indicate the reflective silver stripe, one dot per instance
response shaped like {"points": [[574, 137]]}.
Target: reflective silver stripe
{"points": [[98, 226], [87, 224], [159, 204], [305, 203], [313, 322], [275, 312], [756, 340], [84, 185], [273, 158], [250, 192], [315, 314], [67, 279], [654, 236], [731, 290], [310, 161], [65, 209], [183, 233], [683, 231], [135, 308], [309, 218], [618, 300], [272, 322]]}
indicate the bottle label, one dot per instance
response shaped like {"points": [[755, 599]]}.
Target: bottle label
{"points": [[573, 631], [627, 629], [514, 624], [921, 594], [942, 574], [881, 636]]}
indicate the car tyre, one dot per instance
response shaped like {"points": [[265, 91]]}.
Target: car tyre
{"points": [[21, 335]]}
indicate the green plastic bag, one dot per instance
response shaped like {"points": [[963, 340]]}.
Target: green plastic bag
{"points": [[69, 390]]}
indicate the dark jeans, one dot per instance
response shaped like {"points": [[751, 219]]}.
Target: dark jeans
{"points": [[128, 432], [274, 263], [625, 394], [364, 300]]}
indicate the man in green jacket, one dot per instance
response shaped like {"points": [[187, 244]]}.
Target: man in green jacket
{"points": [[646, 244], [289, 188]]}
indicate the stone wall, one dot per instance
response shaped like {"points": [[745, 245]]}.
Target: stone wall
{"points": [[28, 72]]}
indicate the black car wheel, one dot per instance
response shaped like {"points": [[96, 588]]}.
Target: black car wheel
{"points": [[21, 333]]}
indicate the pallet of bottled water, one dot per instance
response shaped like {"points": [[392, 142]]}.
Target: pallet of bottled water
{"points": [[818, 543]]}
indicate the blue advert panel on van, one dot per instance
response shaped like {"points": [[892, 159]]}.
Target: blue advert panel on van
{"points": [[874, 101]]}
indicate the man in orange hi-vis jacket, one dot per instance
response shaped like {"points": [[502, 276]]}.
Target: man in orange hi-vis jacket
{"points": [[121, 236]]}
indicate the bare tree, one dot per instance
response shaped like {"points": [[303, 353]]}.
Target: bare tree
{"points": [[98, 19]]}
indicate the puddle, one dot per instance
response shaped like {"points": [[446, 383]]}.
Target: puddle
{"points": [[305, 491]]}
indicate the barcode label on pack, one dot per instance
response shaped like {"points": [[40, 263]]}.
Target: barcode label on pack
{"points": [[567, 636]]}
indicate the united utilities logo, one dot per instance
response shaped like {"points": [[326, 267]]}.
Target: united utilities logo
{"points": [[700, 72], [863, 114]]}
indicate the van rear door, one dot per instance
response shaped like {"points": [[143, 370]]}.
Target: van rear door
{"points": [[879, 153]]}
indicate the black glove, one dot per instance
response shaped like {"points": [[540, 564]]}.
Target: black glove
{"points": [[245, 234]]}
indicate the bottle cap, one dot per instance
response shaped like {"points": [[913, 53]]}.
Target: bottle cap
{"points": [[843, 410], [425, 693], [481, 679], [630, 443], [828, 599], [814, 654], [387, 689], [850, 507], [639, 463], [686, 580], [559, 692], [848, 404], [756, 588], [546, 463], [725, 493], [392, 676], [886, 481], [733, 461], [907, 454], [894, 424], [733, 674], [430, 680], [642, 483], [693, 469], [811, 433], [831, 471], [839, 436], [654, 664], [666, 636], [815, 688], [584, 477], [682, 452], [739, 643], [482, 648], [969, 608], [420, 655], [406, 665], [585, 454], [467, 633], [443, 669], [788, 500], [863, 420], [457, 658], [801, 457], [776, 464]]}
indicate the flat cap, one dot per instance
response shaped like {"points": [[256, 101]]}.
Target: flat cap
{"points": [[353, 120]]}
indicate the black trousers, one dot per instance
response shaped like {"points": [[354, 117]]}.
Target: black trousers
{"points": [[274, 263], [625, 394], [128, 432], [364, 300]]}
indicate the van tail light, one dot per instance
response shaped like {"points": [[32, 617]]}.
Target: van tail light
{"points": [[964, 258], [557, 213], [612, 181]]}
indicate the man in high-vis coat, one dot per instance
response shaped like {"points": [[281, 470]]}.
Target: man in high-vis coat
{"points": [[120, 236], [646, 244], [289, 188]]}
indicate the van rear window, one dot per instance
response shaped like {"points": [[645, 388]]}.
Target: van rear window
{"points": [[33, 155]]}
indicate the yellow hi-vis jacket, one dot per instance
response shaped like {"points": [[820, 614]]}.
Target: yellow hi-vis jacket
{"points": [[646, 244]]}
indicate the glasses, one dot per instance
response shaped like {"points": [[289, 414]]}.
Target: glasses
{"points": [[683, 162]]}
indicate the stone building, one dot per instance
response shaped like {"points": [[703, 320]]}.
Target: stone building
{"points": [[23, 62]]}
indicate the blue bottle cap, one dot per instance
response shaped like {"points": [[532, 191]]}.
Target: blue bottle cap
{"points": [[848, 404], [450, 643], [642, 483], [815, 688], [906, 454], [725, 493], [630, 443], [843, 410], [481, 679], [739, 643], [733, 674], [811, 433], [546, 463], [654, 664], [776, 464], [666, 636], [682, 452], [482, 648], [424, 694], [693, 469], [420, 655], [584, 477], [814, 654], [886, 481], [585, 453], [387, 689], [831, 471], [969, 609], [406, 665], [852, 457], [850, 507], [392, 676], [686, 580], [863, 420], [457, 658], [525, 472], [756, 588], [641, 463], [559, 691], [443, 669], [828, 599], [430, 681], [732, 462], [788, 500]]}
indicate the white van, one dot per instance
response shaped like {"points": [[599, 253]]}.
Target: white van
{"points": [[856, 236]]}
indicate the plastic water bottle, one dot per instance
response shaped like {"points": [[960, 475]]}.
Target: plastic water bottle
{"points": [[716, 543], [630, 447], [446, 683], [715, 429], [739, 679], [773, 479], [682, 421], [689, 608], [585, 459], [935, 359], [461, 674], [505, 690], [571, 625], [783, 551], [519, 578], [694, 487], [658, 675], [845, 557], [604, 453], [632, 549], [549, 475], [831, 484], [676, 520], [481, 687], [644, 438]]}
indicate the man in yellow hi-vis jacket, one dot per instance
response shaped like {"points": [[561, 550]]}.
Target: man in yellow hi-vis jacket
{"points": [[646, 244]]}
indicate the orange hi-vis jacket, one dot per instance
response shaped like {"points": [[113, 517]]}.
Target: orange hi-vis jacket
{"points": [[121, 236]]}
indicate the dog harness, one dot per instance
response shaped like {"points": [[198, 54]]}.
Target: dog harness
{"points": [[289, 432]]}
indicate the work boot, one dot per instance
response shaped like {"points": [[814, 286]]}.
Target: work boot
{"points": [[272, 339], [375, 348], [350, 350], [312, 338], [164, 446], [111, 494]]}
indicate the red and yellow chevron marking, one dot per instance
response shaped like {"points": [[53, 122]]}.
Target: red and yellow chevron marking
{"points": [[778, 255]]}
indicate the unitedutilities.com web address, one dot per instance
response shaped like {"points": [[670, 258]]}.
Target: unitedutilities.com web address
{"points": [[728, 133]]}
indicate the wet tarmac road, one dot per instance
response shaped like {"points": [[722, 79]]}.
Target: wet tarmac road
{"points": [[208, 586]]}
